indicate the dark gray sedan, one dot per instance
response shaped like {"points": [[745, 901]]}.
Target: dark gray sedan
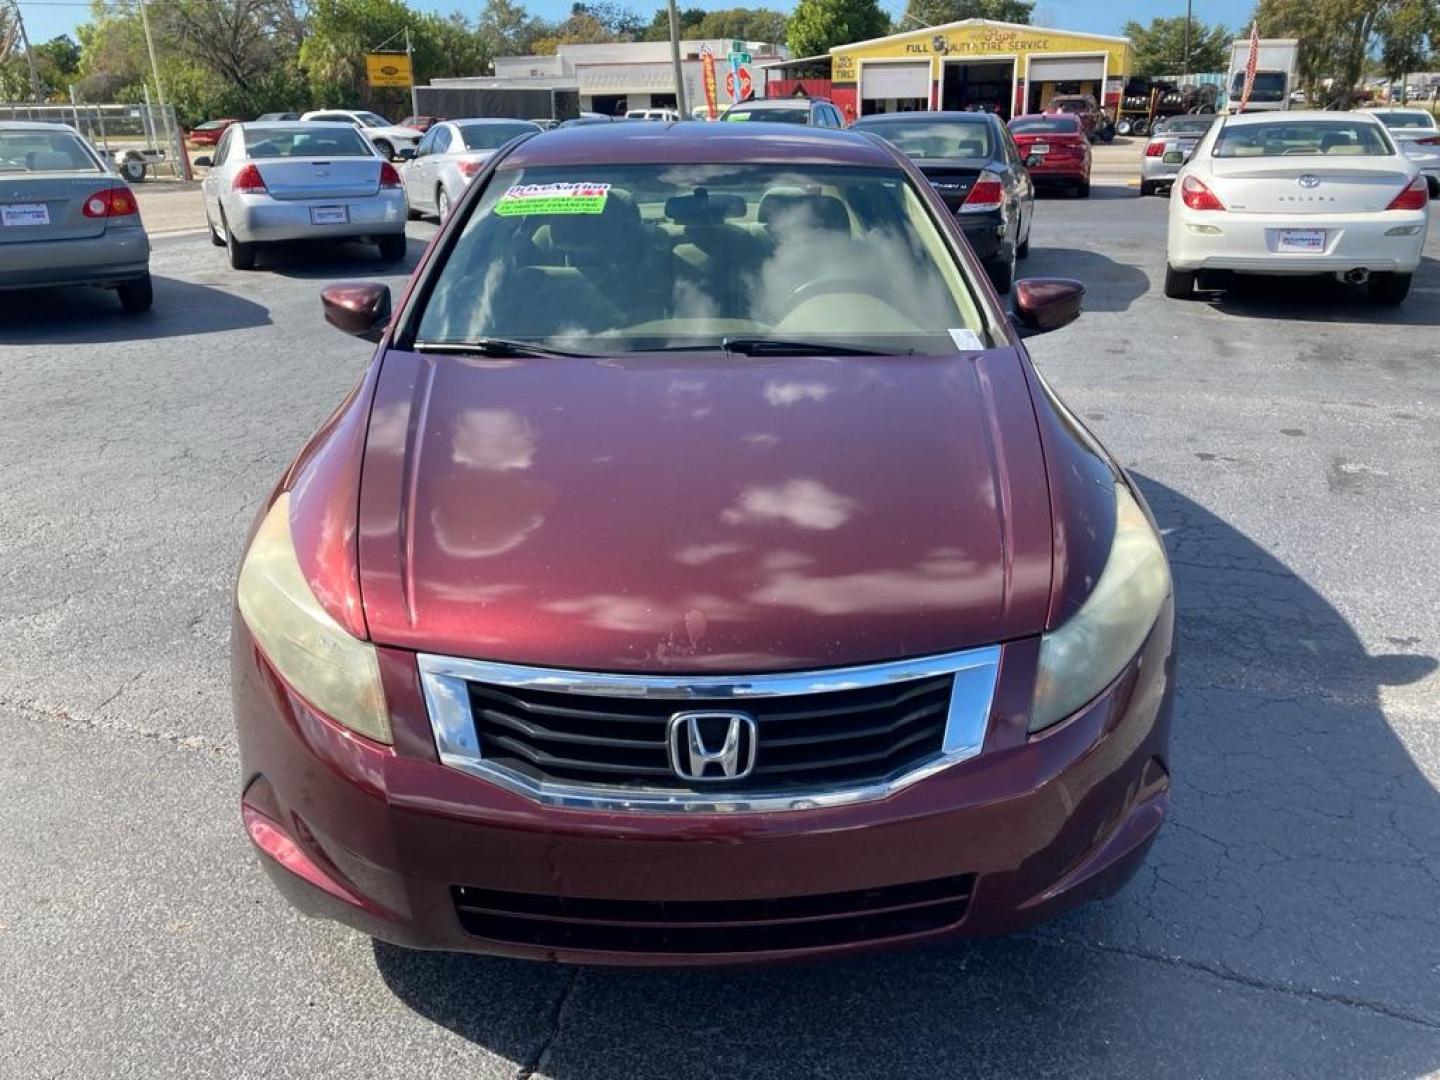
{"points": [[65, 218]]}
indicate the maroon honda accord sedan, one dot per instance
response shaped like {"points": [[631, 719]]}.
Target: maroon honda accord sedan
{"points": [[701, 572]]}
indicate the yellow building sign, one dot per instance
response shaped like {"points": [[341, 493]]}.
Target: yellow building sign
{"points": [[387, 69]]}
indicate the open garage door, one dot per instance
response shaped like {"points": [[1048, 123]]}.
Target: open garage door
{"points": [[1051, 75], [986, 85], [887, 87]]}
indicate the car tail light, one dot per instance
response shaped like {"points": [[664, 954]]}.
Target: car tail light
{"points": [[469, 169], [1416, 196], [987, 194], [389, 178], [1199, 197], [1434, 140], [248, 181], [111, 202], [1155, 149]]}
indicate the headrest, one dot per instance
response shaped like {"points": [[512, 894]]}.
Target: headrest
{"points": [[51, 161], [614, 230], [703, 208], [820, 211]]}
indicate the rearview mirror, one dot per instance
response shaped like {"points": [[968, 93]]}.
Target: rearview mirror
{"points": [[361, 308], [204, 161], [1045, 304], [406, 153]]}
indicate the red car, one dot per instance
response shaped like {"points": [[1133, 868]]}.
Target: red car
{"points": [[208, 133], [421, 123], [656, 603], [1055, 150]]}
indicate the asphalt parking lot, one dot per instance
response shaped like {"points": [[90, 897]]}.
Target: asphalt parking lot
{"points": [[1285, 924]]}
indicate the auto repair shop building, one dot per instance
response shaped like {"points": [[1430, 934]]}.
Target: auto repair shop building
{"points": [[976, 63]]}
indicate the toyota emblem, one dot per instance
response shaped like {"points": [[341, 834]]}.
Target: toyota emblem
{"points": [[1308, 180]]}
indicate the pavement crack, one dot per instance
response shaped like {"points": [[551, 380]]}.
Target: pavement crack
{"points": [[536, 1064], [1251, 981], [63, 718]]}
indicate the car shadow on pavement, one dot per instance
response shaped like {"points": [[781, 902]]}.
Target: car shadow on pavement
{"points": [[1284, 924], [322, 261], [1325, 300], [1109, 285], [92, 316]]}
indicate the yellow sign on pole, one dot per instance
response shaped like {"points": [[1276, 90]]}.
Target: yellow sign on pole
{"points": [[387, 69]]}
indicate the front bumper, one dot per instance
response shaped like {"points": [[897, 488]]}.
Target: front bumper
{"points": [[260, 219], [116, 256], [1249, 242], [407, 850]]}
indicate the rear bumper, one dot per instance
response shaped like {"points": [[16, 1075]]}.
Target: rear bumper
{"points": [[260, 219], [1249, 242], [1155, 169], [412, 852], [116, 256], [1068, 172], [984, 231]]}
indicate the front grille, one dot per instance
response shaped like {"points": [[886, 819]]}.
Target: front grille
{"points": [[814, 741], [713, 926]]}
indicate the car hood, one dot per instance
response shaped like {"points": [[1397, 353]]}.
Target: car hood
{"points": [[649, 514]]}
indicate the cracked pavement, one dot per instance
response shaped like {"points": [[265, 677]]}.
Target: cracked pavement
{"points": [[1286, 923]]}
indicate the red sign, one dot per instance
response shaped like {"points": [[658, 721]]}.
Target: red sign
{"points": [[707, 77], [746, 85]]}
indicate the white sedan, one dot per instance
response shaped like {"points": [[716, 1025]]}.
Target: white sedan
{"points": [[1299, 193], [294, 180], [450, 156]]}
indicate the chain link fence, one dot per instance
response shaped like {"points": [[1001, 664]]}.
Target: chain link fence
{"points": [[141, 141]]}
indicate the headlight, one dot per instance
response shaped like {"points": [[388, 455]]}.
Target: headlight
{"points": [[1082, 657], [336, 673]]}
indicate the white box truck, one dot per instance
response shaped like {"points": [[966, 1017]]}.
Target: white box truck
{"points": [[1275, 71]]}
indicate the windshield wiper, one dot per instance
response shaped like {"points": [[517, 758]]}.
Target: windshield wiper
{"points": [[492, 346], [758, 346]]}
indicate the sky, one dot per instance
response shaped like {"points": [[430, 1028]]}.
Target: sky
{"points": [[46, 18]]}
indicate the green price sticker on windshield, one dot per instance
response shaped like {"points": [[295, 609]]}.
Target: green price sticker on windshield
{"points": [[584, 198]]}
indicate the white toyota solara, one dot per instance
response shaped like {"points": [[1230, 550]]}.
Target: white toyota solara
{"points": [[1299, 193]]}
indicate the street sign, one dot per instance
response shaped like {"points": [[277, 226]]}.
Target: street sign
{"points": [[739, 58], [387, 69], [746, 84]]}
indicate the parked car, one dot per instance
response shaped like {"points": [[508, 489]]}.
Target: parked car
{"points": [[1171, 143], [668, 116], [816, 112], [66, 218], [272, 116], [972, 160], [1415, 132], [270, 183], [1299, 193], [1083, 106], [421, 123], [545, 123], [208, 133], [388, 138], [1055, 150], [451, 154], [788, 707]]}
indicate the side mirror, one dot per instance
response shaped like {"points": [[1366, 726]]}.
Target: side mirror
{"points": [[1045, 304], [205, 161], [1433, 183], [361, 308], [406, 153]]}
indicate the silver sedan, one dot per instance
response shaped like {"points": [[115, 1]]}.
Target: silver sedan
{"points": [[66, 218], [450, 156], [271, 182], [1171, 143]]}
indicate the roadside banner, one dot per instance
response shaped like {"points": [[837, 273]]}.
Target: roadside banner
{"points": [[387, 69], [707, 71], [1251, 64]]}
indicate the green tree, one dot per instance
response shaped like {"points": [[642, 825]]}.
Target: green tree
{"points": [[658, 29], [1160, 47], [920, 13], [744, 24], [1409, 31], [60, 56], [817, 25], [508, 29]]}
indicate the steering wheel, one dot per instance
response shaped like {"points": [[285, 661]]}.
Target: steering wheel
{"points": [[843, 283]]}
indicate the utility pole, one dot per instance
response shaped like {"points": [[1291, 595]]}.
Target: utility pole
{"points": [[1186, 65], [675, 59], [29, 56], [410, 63]]}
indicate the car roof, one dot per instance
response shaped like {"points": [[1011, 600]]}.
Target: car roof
{"points": [[1397, 108], [1049, 118], [479, 121], [697, 142], [36, 125], [927, 114], [776, 103], [1272, 115], [296, 125]]}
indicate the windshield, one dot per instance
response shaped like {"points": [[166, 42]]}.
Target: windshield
{"points": [[211, 125], [44, 151], [1045, 125], [492, 136], [629, 258], [1333, 138], [771, 116], [1421, 121], [934, 138], [370, 119], [1070, 105], [1182, 126], [1269, 86], [262, 143]]}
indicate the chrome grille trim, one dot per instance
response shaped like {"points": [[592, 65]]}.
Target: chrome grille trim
{"points": [[445, 680]]}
